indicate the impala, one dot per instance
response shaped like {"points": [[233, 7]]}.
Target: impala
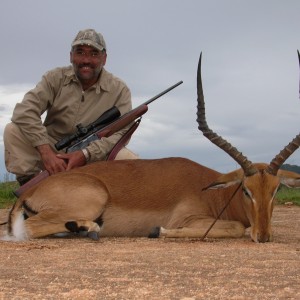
{"points": [[169, 197]]}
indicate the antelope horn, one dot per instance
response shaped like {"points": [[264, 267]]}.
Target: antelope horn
{"points": [[299, 67], [288, 150], [246, 164], [283, 155]]}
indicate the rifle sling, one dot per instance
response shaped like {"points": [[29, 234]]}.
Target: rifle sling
{"points": [[123, 140]]}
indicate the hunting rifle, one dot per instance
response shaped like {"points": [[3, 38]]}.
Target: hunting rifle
{"points": [[106, 125]]}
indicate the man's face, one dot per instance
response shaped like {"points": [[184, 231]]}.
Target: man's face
{"points": [[87, 63]]}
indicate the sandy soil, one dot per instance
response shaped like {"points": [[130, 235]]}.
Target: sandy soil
{"points": [[141, 268]]}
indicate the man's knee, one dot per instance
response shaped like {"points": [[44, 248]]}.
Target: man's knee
{"points": [[9, 130], [21, 158], [14, 138]]}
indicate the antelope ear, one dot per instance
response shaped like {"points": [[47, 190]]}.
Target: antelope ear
{"points": [[289, 179], [226, 180]]}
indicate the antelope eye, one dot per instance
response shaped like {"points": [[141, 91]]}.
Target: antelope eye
{"points": [[246, 193]]}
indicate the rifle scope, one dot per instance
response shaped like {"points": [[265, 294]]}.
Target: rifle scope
{"points": [[107, 117]]}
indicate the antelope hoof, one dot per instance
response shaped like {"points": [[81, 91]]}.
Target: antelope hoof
{"points": [[62, 234], [83, 233], [93, 235], [154, 234]]}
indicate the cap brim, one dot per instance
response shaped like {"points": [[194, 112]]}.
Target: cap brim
{"points": [[88, 43]]}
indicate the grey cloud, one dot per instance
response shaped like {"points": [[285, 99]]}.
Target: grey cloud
{"points": [[250, 69]]}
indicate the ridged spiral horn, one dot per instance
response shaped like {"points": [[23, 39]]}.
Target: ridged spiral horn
{"points": [[288, 150], [245, 164]]}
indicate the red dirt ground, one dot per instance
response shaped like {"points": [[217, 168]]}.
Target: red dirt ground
{"points": [[141, 268]]}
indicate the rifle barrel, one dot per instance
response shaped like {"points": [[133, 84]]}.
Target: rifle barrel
{"points": [[164, 92]]}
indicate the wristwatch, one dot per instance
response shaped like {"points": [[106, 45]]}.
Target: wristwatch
{"points": [[86, 154]]}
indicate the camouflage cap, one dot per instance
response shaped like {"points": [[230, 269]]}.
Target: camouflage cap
{"points": [[91, 38]]}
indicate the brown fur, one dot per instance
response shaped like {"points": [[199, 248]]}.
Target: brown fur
{"points": [[132, 197]]}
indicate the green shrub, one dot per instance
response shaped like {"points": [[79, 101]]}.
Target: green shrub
{"points": [[7, 198], [288, 195]]}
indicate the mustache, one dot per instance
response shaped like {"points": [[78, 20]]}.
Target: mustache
{"points": [[85, 65]]}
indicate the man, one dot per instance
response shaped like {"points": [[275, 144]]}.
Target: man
{"points": [[79, 93]]}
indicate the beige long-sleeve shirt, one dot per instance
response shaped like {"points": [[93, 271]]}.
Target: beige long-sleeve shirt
{"points": [[59, 95]]}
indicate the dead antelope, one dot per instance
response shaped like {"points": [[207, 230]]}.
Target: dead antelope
{"points": [[178, 196]]}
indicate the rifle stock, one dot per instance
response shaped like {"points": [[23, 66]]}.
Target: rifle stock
{"points": [[41, 176]]}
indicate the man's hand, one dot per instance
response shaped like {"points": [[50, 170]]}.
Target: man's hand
{"points": [[74, 159], [52, 163]]}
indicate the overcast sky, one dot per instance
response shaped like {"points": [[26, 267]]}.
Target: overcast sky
{"points": [[250, 68]]}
